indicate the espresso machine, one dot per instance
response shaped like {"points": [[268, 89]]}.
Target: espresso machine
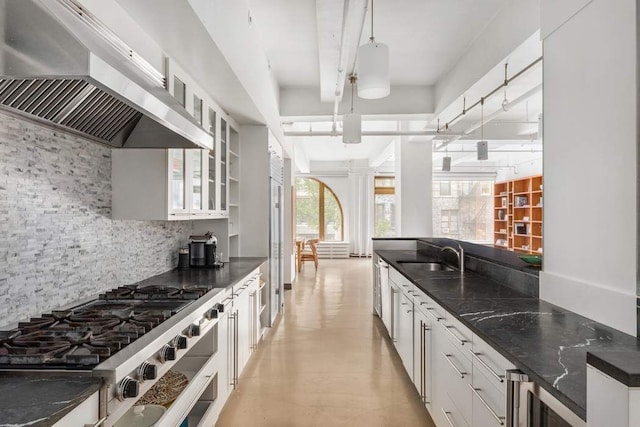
{"points": [[202, 251]]}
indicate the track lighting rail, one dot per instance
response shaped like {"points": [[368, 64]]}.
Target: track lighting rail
{"points": [[504, 84]]}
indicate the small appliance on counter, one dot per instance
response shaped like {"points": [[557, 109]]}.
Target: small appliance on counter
{"points": [[183, 259], [202, 251]]}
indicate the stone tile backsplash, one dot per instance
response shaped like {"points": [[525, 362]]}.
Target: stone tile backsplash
{"points": [[58, 242]]}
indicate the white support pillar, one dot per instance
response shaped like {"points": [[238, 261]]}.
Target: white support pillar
{"points": [[414, 187]]}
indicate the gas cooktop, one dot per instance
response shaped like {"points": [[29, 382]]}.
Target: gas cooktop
{"points": [[86, 335]]}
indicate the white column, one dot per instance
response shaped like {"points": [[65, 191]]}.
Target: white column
{"points": [[590, 159], [414, 187]]}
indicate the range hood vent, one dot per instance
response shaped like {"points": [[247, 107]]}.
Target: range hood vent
{"points": [[59, 65], [75, 104]]}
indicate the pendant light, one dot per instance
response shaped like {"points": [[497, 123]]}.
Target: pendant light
{"points": [[483, 146], [352, 122], [446, 161], [373, 68]]}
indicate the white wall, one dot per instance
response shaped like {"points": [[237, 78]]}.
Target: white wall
{"points": [[590, 154], [254, 191], [414, 187]]}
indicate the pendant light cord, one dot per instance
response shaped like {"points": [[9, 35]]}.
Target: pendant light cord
{"points": [[372, 39], [482, 119], [352, 95]]}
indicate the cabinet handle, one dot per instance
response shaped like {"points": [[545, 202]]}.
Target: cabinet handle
{"points": [[446, 415], [448, 358], [97, 423], [409, 311], [476, 356], [404, 303], [437, 316], [423, 303], [499, 419], [393, 315], [457, 338]]}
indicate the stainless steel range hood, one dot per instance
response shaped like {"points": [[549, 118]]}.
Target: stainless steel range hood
{"points": [[60, 65]]}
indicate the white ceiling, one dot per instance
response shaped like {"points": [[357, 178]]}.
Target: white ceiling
{"points": [[426, 39]]}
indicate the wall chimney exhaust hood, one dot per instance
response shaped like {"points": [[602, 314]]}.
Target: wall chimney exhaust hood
{"points": [[60, 65]]}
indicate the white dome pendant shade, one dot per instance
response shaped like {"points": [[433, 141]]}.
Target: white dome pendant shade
{"points": [[373, 71], [352, 128], [352, 122]]}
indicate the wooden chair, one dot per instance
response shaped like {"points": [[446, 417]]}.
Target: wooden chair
{"points": [[306, 255]]}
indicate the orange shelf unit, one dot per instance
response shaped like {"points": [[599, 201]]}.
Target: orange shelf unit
{"points": [[517, 217]]}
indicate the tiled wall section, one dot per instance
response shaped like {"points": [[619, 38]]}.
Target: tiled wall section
{"points": [[58, 242]]}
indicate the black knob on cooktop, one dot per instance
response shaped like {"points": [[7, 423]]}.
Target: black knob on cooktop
{"points": [[167, 352], [220, 308], [128, 388], [193, 330], [147, 371], [211, 314], [181, 342]]}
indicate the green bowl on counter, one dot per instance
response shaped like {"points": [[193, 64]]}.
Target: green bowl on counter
{"points": [[532, 259]]}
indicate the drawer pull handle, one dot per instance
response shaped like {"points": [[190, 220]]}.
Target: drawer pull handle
{"points": [[98, 423], [457, 338], [499, 419], [446, 415], [448, 358], [437, 316], [476, 356]]}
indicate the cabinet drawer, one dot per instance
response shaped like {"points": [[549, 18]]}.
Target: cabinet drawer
{"points": [[403, 283], [427, 306], [450, 415], [459, 335], [458, 371], [489, 402], [491, 363]]}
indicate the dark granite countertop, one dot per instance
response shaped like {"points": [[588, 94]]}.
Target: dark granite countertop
{"points": [[624, 366], [38, 400], [545, 341], [233, 271]]}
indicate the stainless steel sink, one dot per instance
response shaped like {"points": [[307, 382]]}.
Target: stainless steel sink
{"points": [[427, 266]]}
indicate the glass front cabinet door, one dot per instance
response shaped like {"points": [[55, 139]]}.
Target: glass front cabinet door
{"points": [[198, 178], [177, 183]]}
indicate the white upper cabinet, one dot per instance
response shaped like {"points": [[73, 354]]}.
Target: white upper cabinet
{"points": [[177, 184]]}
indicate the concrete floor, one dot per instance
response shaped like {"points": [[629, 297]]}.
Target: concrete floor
{"points": [[327, 362]]}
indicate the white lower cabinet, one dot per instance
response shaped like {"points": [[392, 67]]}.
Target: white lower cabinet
{"points": [[422, 366], [451, 416], [459, 377], [404, 339], [489, 402]]}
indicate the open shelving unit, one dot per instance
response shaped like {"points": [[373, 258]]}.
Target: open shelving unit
{"points": [[234, 191], [517, 218]]}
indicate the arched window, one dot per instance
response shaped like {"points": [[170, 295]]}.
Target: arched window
{"points": [[318, 211]]}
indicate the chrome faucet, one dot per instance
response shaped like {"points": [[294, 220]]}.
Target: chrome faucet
{"points": [[459, 253]]}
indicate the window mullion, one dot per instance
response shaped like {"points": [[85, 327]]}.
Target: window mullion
{"points": [[321, 212]]}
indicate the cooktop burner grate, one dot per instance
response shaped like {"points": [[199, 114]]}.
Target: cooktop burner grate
{"points": [[154, 292], [83, 336]]}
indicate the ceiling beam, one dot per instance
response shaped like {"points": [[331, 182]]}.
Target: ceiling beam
{"points": [[339, 27], [296, 102]]}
